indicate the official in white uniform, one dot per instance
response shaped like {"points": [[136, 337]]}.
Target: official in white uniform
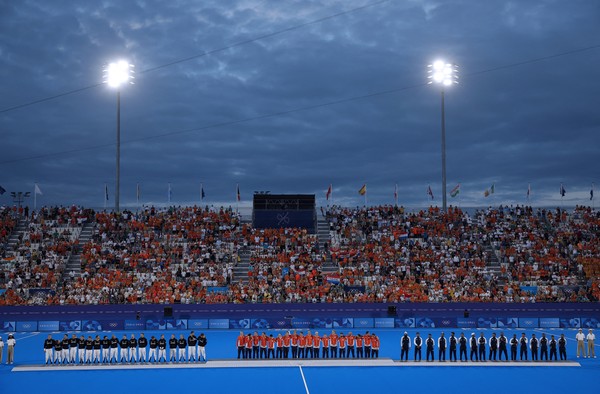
{"points": [[590, 340], [580, 343]]}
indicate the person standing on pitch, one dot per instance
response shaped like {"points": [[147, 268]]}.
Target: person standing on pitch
{"points": [[202, 348], [325, 351], [66, 345], [590, 341], [241, 345], [162, 349], [58, 351], [114, 349], [89, 349], [73, 344], [133, 349], [181, 345], [153, 357], [514, 343], [580, 343], [192, 342], [142, 345], [97, 350], [481, 342], [11, 342], [81, 342], [2, 349], [442, 348], [533, 345], [48, 347], [404, 346], [523, 342], [418, 345], [453, 342], [350, 345], [562, 347], [462, 346], [368, 344], [493, 347], [172, 348], [473, 345], [552, 348], [279, 347], [375, 345], [124, 345], [105, 350], [317, 345], [502, 343], [429, 350], [543, 348]]}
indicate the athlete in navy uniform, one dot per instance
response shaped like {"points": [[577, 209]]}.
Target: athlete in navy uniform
{"points": [[533, 345], [442, 347], [473, 343], [502, 342], [552, 348], [523, 342], [462, 346], [418, 345], [404, 346], [429, 352], [562, 347], [481, 341], [544, 348], [493, 347]]}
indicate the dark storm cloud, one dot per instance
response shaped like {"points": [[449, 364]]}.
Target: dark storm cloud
{"points": [[534, 123]]}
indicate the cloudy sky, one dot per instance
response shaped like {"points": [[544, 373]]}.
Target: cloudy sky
{"points": [[292, 95]]}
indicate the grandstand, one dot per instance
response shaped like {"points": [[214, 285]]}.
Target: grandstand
{"points": [[375, 254]]}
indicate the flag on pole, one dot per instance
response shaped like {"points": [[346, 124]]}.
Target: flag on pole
{"points": [[238, 195], [170, 193], [328, 194], [396, 192], [591, 192], [202, 195], [493, 188], [430, 192], [528, 190], [2, 190], [37, 189], [563, 191], [105, 192], [454, 192], [137, 192], [489, 191], [363, 190]]}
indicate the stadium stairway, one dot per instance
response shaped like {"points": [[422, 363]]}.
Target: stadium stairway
{"points": [[324, 237], [240, 270], [17, 234], [493, 262], [74, 262]]}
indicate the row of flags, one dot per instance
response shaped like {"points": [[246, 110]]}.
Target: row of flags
{"points": [[454, 192], [138, 192], [328, 195]]}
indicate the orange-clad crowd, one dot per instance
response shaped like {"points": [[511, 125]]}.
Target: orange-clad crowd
{"points": [[378, 254]]}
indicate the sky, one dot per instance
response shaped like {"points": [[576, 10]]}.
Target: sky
{"points": [[290, 96]]}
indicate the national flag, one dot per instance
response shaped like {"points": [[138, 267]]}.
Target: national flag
{"points": [[239, 196], [137, 192], [396, 192], [202, 194], [528, 190], [591, 192], [170, 193], [430, 192], [403, 236], [363, 190], [492, 189], [328, 194], [105, 192], [486, 193], [563, 191], [2, 190], [333, 279], [37, 189], [455, 191]]}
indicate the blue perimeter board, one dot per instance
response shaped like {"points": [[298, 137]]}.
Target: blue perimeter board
{"points": [[264, 380]]}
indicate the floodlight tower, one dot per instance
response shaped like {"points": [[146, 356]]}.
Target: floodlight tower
{"points": [[117, 74], [445, 75]]}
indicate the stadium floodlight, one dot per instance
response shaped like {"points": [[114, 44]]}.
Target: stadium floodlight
{"points": [[117, 74], [444, 74]]}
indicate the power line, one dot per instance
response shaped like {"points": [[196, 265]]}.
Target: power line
{"points": [[294, 110], [210, 52]]}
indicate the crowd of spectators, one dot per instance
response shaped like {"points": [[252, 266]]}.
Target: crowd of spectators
{"points": [[31, 271], [379, 254]]}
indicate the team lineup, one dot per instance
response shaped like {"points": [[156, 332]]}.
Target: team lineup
{"points": [[299, 345]]}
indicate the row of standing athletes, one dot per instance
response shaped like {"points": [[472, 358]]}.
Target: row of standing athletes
{"points": [[497, 346], [255, 346], [126, 350]]}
